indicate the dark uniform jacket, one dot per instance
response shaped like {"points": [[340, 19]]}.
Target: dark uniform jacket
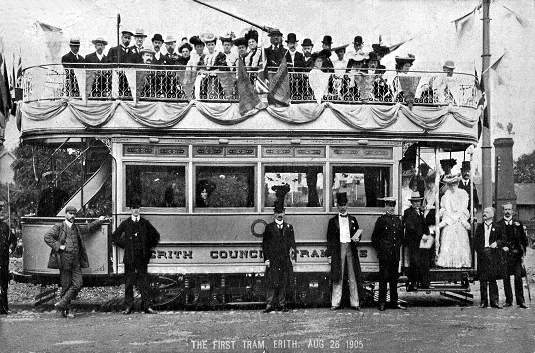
{"points": [[57, 235], [467, 189], [333, 247], [298, 62], [7, 240], [136, 240], [126, 55], [515, 239], [93, 59], [70, 58], [490, 263], [274, 56], [135, 55], [415, 227], [387, 238], [276, 246]]}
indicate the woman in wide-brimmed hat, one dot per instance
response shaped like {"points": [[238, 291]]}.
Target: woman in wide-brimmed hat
{"points": [[454, 249]]}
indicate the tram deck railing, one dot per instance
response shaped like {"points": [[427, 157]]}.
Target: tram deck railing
{"points": [[181, 84]]}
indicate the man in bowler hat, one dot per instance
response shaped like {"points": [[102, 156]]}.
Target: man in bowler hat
{"points": [[8, 242], [342, 240], [69, 255], [278, 246], [387, 238], [137, 236], [465, 184], [294, 58], [307, 46]]}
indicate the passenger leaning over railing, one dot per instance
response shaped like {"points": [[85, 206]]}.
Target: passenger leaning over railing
{"points": [[72, 60], [101, 86]]}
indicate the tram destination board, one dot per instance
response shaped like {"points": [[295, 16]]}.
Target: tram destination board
{"points": [[162, 151], [291, 151], [224, 151], [364, 152]]}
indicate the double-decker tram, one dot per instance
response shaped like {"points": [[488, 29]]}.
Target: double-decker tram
{"points": [[207, 173]]}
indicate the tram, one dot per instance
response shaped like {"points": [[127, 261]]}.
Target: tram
{"points": [[206, 173]]}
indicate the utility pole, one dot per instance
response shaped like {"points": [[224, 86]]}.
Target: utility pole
{"points": [[486, 146]]}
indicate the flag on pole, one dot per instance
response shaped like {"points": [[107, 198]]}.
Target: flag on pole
{"points": [[465, 23], [81, 79], [53, 39], [279, 86], [396, 46], [495, 68], [249, 103], [518, 18], [5, 94]]}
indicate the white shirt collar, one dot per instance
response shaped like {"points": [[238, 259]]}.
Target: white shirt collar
{"points": [[69, 224], [279, 223], [135, 218], [508, 220], [99, 56]]}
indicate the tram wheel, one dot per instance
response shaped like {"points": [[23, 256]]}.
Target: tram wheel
{"points": [[165, 290]]}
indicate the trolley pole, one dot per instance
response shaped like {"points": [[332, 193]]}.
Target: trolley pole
{"points": [[486, 152]]}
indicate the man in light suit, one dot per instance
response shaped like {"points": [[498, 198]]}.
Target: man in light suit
{"points": [[342, 239]]}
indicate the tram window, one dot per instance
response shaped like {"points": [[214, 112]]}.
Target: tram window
{"points": [[224, 187], [305, 185], [156, 185], [363, 184]]}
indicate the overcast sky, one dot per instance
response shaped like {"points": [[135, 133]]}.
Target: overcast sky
{"points": [[428, 21]]}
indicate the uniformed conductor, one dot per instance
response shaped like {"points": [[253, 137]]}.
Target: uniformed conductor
{"points": [[387, 238], [69, 255], [278, 246], [137, 236]]}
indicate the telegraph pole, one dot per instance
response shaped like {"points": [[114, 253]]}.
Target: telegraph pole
{"points": [[486, 146]]}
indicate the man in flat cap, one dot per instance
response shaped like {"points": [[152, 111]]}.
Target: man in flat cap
{"points": [[275, 52], [69, 255], [387, 238], [278, 247], [137, 236], [122, 53], [343, 235], [72, 60], [139, 38], [8, 243]]}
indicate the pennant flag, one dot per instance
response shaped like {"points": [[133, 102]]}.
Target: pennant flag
{"points": [[495, 67], [140, 79], [279, 86], [396, 46], [518, 18], [249, 103], [53, 39], [130, 75], [81, 80], [228, 82], [319, 82], [409, 84], [91, 76], [5, 94], [465, 23]]}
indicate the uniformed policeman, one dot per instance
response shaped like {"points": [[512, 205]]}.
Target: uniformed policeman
{"points": [[387, 238]]}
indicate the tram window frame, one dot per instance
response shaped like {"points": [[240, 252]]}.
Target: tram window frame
{"points": [[390, 168], [269, 208], [249, 209], [157, 209]]}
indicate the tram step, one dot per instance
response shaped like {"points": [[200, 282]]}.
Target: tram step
{"points": [[245, 303], [444, 288]]}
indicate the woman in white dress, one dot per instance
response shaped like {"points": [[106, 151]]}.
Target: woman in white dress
{"points": [[454, 246]]}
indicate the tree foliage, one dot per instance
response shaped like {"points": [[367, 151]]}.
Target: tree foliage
{"points": [[524, 168]]}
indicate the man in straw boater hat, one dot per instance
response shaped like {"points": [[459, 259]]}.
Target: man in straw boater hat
{"points": [[278, 247], [343, 235], [100, 87], [135, 50], [72, 57], [170, 45], [488, 244], [137, 236], [387, 238], [419, 258], [69, 255], [98, 56]]}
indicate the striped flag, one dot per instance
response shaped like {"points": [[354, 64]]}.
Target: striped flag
{"points": [[249, 102], [279, 86], [5, 94]]}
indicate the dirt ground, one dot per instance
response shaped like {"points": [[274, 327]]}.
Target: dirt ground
{"points": [[431, 324]]}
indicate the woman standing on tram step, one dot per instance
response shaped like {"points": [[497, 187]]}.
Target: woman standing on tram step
{"points": [[454, 244]]}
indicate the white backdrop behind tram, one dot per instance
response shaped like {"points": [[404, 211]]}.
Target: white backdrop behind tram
{"points": [[428, 22]]}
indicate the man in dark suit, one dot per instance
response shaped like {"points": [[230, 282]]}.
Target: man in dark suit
{"points": [[72, 60], [419, 259], [122, 53], [515, 242], [278, 246], [137, 236], [342, 239], [102, 84], [275, 52], [296, 60], [157, 42], [69, 255], [488, 243], [387, 238], [307, 46], [8, 242], [465, 184], [135, 50]]}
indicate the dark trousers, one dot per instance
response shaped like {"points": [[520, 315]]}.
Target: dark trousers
{"points": [[137, 274], [516, 270], [388, 274], [493, 292], [4, 280], [71, 282], [419, 267], [276, 296]]}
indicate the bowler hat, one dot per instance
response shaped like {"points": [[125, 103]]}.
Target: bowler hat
{"points": [[465, 166], [157, 36], [140, 33], [74, 41], [291, 38], [275, 32], [327, 40], [357, 40], [449, 64], [70, 209], [307, 43], [99, 40], [341, 198]]}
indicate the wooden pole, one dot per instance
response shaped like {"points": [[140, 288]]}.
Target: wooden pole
{"points": [[486, 147]]}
